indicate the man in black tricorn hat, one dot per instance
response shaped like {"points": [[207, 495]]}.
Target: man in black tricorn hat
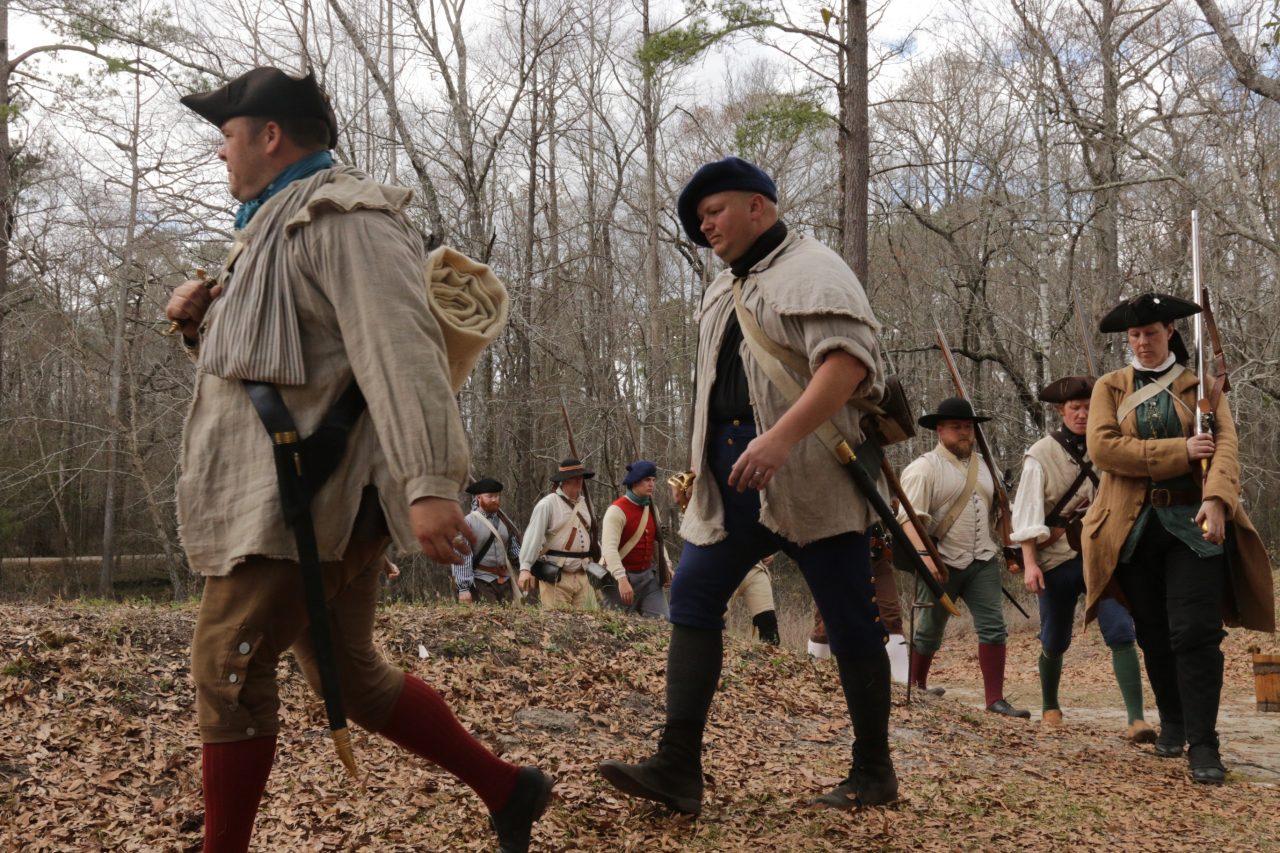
{"points": [[319, 313], [951, 490], [762, 480], [557, 542], [485, 574], [1057, 485]]}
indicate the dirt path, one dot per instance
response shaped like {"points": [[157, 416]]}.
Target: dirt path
{"points": [[1091, 701]]}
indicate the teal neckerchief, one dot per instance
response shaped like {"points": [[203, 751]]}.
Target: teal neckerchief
{"points": [[305, 167], [636, 499]]}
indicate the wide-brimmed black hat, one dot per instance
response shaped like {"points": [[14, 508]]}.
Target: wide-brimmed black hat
{"points": [[485, 486], [731, 173], [952, 409], [1147, 308], [1068, 388], [570, 468], [266, 92]]}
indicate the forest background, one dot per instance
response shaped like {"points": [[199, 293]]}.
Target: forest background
{"points": [[1019, 153]]}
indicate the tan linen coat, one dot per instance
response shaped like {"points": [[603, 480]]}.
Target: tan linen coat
{"points": [[1126, 462], [354, 265], [806, 299]]}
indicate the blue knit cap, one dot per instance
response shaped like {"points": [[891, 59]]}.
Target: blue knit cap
{"points": [[731, 173], [638, 470]]}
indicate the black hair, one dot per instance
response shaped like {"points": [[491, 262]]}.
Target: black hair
{"points": [[306, 132]]}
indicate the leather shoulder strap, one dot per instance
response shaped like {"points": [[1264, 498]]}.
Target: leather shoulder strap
{"points": [[494, 537], [631, 543], [958, 505], [1148, 392]]}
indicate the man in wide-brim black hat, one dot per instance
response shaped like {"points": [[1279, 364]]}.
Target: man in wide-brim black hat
{"points": [[559, 537], [485, 574], [322, 292], [1167, 530], [1058, 483], [951, 490]]}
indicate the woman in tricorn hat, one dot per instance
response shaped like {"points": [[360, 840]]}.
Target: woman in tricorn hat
{"points": [[1174, 542]]}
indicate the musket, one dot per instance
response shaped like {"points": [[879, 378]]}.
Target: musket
{"points": [[1208, 402], [1084, 335], [1004, 517], [594, 530], [866, 486]]}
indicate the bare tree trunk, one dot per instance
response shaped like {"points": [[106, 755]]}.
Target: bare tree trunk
{"points": [[6, 179], [855, 150], [655, 371], [115, 420]]}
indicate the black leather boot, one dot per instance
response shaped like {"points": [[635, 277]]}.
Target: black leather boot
{"points": [[1206, 764], [1171, 740], [673, 776], [871, 780], [766, 625]]}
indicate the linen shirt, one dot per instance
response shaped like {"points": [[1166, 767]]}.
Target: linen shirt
{"points": [[549, 514], [808, 300], [932, 483], [355, 269]]}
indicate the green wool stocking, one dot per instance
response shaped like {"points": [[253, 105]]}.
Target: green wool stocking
{"points": [[1050, 675], [1124, 660]]}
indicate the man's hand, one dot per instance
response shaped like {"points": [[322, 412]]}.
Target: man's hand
{"points": [[625, 592], [464, 596], [1032, 577], [939, 572], [1200, 447], [188, 304], [680, 497], [766, 453], [441, 530], [390, 569], [525, 581], [1212, 517]]}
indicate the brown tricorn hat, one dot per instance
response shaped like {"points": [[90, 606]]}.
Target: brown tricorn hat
{"points": [[1068, 388], [266, 92]]}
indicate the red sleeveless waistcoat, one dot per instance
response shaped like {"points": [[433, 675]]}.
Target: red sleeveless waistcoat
{"points": [[641, 555]]}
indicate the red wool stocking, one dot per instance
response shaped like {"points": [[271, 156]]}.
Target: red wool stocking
{"points": [[423, 724], [991, 662], [234, 775], [920, 664]]}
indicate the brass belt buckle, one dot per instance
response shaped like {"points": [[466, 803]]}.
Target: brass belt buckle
{"points": [[1161, 497]]}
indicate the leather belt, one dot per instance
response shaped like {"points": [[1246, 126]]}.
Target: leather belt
{"points": [[1173, 497]]}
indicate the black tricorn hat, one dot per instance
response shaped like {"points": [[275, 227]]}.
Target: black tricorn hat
{"points": [[269, 93], [1147, 308], [570, 468], [952, 409], [484, 486], [1068, 388]]}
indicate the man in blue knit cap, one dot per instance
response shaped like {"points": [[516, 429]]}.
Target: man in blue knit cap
{"points": [[762, 481], [631, 545]]}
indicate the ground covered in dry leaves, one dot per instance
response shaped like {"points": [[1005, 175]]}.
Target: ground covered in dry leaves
{"points": [[98, 747]]}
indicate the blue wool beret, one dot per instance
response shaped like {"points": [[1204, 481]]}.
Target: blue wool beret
{"points": [[731, 173], [638, 470]]}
